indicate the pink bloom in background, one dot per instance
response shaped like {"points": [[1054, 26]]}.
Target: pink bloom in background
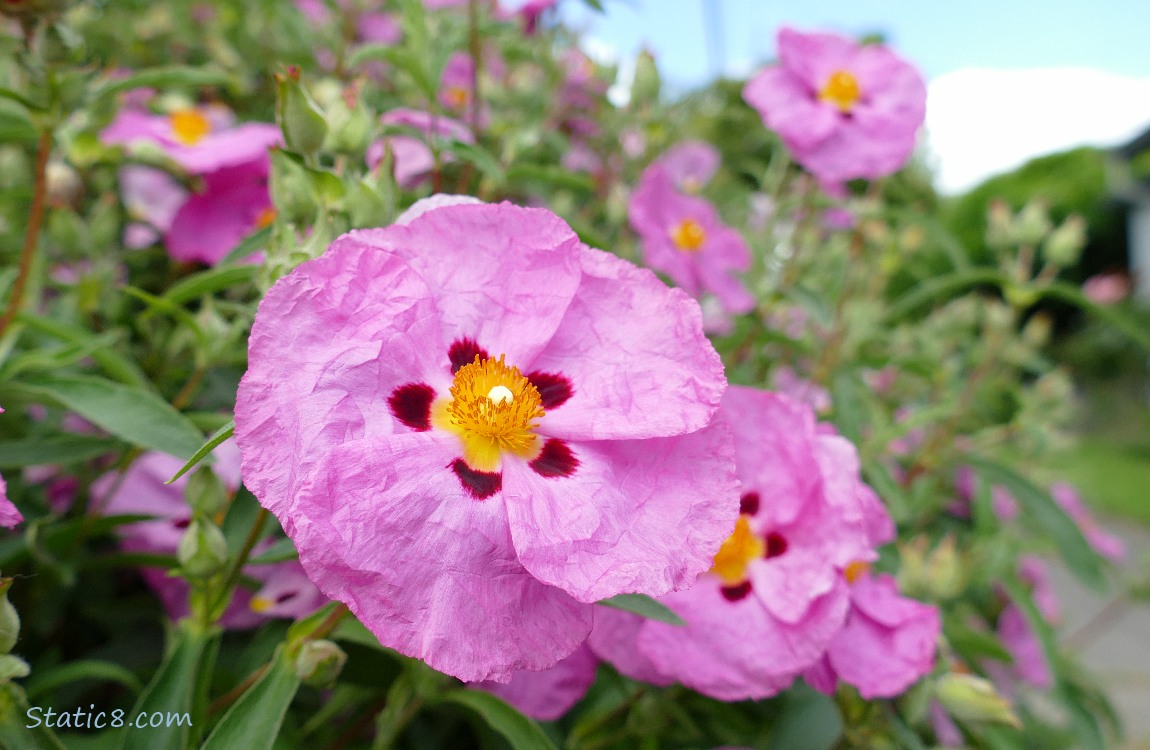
{"points": [[455, 87], [231, 162], [413, 156], [684, 238], [887, 644], [143, 492], [529, 11], [9, 514], [1103, 542], [690, 164], [478, 448], [844, 110], [1107, 288], [790, 383], [1029, 661], [775, 596], [548, 694]]}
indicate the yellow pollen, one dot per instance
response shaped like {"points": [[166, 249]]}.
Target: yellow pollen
{"points": [[493, 409], [856, 570], [841, 90], [259, 605], [457, 96], [688, 235], [189, 126], [266, 217], [741, 547]]}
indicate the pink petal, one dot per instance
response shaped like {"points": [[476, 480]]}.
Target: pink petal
{"points": [[548, 694], [614, 638]]}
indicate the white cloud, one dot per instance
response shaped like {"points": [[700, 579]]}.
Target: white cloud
{"points": [[981, 122]]}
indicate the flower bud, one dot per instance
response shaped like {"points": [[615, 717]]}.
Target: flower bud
{"points": [[973, 699], [203, 551], [319, 662], [12, 667], [291, 189], [349, 125], [205, 492], [646, 84], [1032, 223], [1065, 244], [9, 618], [999, 225], [298, 115], [63, 185]]}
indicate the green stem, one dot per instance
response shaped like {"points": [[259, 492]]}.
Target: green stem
{"points": [[215, 611]]}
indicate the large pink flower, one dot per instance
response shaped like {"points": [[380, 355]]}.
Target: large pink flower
{"points": [[844, 110], [887, 644], [683, 237], [472, 425], [775, 596]]}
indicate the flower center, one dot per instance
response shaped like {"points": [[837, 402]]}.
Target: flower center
{"points": [[841, 90], [457, 96], [189, 126], [688, 235], [493, 409], [856, 570], [741, 547], [266, 217]]}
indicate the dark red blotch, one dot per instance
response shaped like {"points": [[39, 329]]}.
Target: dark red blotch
{"points": [[776, 545], [480, 484], [555, 460], [749, 504], [411, 405], [554, 389], [736, 592], [463, 352]]}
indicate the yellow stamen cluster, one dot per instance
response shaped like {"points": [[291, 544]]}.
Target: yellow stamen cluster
{"points": [[457, 96], [735, 555], [266, 217], [189, 126], [259, 605], [841, 90], [493, 409], [856, 570], [688, 235]]}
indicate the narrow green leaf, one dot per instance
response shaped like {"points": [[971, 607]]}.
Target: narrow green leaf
{"points": [[520, 732], [134, 414], [254, 721], [159, 304], [165, 77], [15, 732], [201, 453], [208, 282], [55, 450], [23, 101], [250, 245], [809, 721], [117, 366], [550, 176], [942, 287], [483, 159], [281, 551], [1048, 517], [172, 691], [644, 606], [43, 683]]}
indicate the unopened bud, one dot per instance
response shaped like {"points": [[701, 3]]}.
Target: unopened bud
{"points": [[298, 115], [203, 551], [1037, 330], [999, 225], [319, 662], [291, 190], [205, 492], [349, 126], [1065, 244], [62, 182], [9, 618], [12, 667], [973, 699], [647, 83], [1032, 223]]}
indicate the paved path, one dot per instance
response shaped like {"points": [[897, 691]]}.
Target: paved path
{"points": [[1118, 651]]}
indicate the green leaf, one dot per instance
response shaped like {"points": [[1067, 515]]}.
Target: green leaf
{"points": [[401, 58], [644, 606], [281, 551], [809, 721], [1041, 510], [173, 691], [43, 683], [254, 721], [250, 245], [208, 282], [18, 98], [15, 733], [520, 732], [134, 414], [550, 176], [483, 159], [165, 77], [159, 304], [56, 449], [1122, 322], [201, 453], [974, 645], [117, 366], [942, 287]]}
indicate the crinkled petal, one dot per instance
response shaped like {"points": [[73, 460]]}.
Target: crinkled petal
{"points": [[636, 516], [636, 355], [385, 527], [507, 308], [614, 638], [738, 650], [331, 342], [548, 694]]}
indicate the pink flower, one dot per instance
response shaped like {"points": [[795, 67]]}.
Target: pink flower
{"points": [[1029, 660], [775, 596], [143, 492], [1104, 543], [234, 202], [413, 157], [152, 198], [529, 11], [887, 644], [844, 110], [789, 382], [683, 237], [548, 694], [1107, 288], [467, 447], [9, 514], [690, 164], [456, 82]]}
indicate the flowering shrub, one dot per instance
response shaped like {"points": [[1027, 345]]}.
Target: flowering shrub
{"points": [[372, 380]]}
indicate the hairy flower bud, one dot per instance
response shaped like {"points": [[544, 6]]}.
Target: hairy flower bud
{"points": [[203, 550], [1065, 244], [319, 662], [974, 699], [1032, 223], [205, 492], [298, 115], [646, 85], [9, 619]]}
